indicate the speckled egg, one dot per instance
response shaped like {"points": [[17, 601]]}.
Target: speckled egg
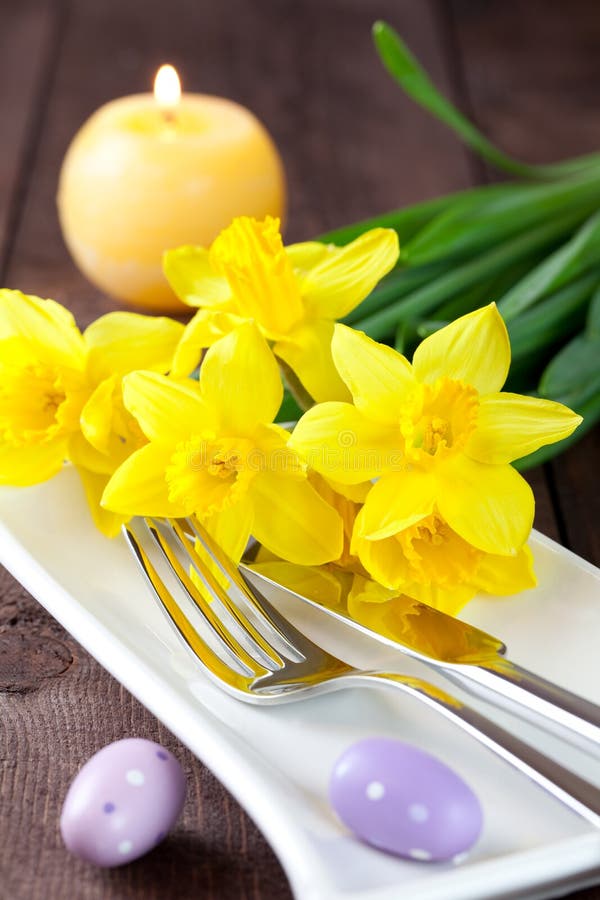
{"points": [[122, 802], [404, 801]]}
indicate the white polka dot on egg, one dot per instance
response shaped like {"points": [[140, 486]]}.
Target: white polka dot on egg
{"points": [[125, 847], [135, 777], [418, 812], [420, 854], [375, 790]]}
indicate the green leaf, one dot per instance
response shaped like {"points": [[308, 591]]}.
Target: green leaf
{"points": [[393, 287], [408, 220], [580, 253], [405, 221], [474, 223], [554, 319], [574, 373], [592, 326], [425, 300], [410, 75]]}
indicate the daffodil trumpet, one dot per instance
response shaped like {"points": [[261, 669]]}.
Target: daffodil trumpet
{"points": [[293, 295]]}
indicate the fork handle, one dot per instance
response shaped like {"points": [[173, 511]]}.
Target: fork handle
{"points": [[578, 794], [569, 716]]}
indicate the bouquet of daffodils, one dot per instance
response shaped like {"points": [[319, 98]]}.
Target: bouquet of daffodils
{"points": [[397, 476]]}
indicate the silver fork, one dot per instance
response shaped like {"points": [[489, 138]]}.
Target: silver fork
{"points": [[244, 644]]}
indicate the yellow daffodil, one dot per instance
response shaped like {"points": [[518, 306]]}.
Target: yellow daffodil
{"points": [[430, 562], [60, 391], [427, 562], [294, 294], [213, 452], [438, 434]]}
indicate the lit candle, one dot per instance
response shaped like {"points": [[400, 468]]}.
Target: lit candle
{"points": [[147, 173]]}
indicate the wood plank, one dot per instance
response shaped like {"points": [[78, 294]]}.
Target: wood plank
{"points": [[352, 146], [27, 37], [537, 100]]}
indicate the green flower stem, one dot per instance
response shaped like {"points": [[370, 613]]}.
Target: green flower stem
{"points": [[295, 386]]}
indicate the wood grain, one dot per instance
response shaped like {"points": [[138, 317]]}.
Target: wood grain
{"points": [[27, 45], [352, 146]]}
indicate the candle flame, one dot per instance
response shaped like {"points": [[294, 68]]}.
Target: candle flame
{"points": [[167, 89]]}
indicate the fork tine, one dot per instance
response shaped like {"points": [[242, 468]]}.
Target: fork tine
{"points": [[262, 653], [281, 631], [205, 654], [278, 632]]}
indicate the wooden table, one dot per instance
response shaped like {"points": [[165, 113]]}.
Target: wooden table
{"points": [[528, 71]]}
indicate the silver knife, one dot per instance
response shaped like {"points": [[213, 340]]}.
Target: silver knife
{"points": [[467, 656]]}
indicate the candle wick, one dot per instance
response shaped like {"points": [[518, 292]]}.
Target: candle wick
{"points": [[169, 116]]}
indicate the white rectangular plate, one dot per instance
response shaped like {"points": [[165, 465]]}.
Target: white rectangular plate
{"points": [[277, 760]]}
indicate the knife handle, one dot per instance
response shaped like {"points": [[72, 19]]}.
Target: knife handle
{"points": [[569, 716]]}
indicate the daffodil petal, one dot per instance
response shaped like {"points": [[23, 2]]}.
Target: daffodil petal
{"points": [[165, 408], [511, 425], [380, 380], [122, 342], [357, 493], [306, 255], [272, 453], [293, 521], [502, 575], [97, 414], [107, 522], [317, 584], [340, 280], [369, 591], [383, 560], [337, 441], [397, 501], [231, 527], [393, 616], [46, 323], [474, 349], [139, 486], [23, 466], [189, 272], [307, 351], [206, 328], [449, 599], [83, 455], [240, 381], [491, 507]]}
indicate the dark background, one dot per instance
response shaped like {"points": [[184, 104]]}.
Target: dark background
{"points": [[528, 72]]}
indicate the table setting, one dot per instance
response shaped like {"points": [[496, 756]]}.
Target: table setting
{"points": [[279, 479]]}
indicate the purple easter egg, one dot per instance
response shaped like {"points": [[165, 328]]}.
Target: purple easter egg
{"points": [[122, 802], [404, 801]]}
